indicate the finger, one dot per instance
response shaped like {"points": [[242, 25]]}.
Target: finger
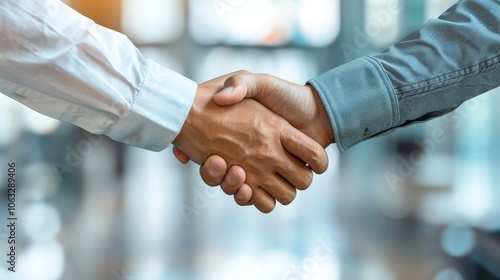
{"points": [[280, 189], [263, 201], [267, 89], [213, 170], [218, 82], [233, 180], [182, 157], [304, 148], [247, 85], [244, 195], [295, 172], [235, 90]]}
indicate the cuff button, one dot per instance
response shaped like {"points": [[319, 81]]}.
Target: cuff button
{"points": [[367, 133], [135, 138]]}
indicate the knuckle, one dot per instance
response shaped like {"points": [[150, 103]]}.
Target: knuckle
{"points": [[242, 72], [316, 153], [288, 197], [279, 124], [266, 153], [305, 181], [266, 76]]}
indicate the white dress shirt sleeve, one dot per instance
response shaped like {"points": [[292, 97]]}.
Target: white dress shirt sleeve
{"points": [[62, 64]]}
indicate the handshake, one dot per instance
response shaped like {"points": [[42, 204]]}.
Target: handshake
{"points": [[259, 149]]}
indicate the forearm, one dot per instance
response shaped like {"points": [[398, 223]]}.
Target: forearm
{"points": [[62, 64], [427, 74]]}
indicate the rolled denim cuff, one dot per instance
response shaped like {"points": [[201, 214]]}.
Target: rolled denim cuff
{"points": [[359, 99]]}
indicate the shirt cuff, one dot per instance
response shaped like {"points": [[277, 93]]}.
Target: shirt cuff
{"points": [[159, 110], [359, 99]]}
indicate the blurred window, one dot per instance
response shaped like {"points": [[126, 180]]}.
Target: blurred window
{"points": [[314, 23], [153, 21], [382, 21], [434, 8], [295, 65]]}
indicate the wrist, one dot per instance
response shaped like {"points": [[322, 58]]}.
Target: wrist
{"points": [[322, 117], [190, 133]]}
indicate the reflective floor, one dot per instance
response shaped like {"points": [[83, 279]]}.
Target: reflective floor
{"points": [[417, 204]]}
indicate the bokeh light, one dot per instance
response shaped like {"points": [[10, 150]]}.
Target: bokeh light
{"points": [[448, 274], [458, 241], [40, 180], [319, 21], [41, 222], [11, 125], [152, 21], [42, 261]]}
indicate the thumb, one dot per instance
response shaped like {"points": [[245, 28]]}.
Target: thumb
{"points": [[268, 90], [235, 90]]}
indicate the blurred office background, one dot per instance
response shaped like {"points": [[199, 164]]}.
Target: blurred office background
{"points": [[421, 203]]}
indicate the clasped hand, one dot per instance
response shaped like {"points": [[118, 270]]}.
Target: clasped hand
{"points": [[270, 146]]}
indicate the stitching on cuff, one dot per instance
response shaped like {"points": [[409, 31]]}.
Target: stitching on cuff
{"points": [[448, 79], [393, 97], [138, 93]]}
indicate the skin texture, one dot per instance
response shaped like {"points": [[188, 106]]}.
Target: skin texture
{"points": [[271, 153], [300, 105]]}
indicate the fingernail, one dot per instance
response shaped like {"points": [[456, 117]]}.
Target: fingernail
{"points": [[240, 195], [232, 180], [238, 88], [227, 90], [214, 170]]}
